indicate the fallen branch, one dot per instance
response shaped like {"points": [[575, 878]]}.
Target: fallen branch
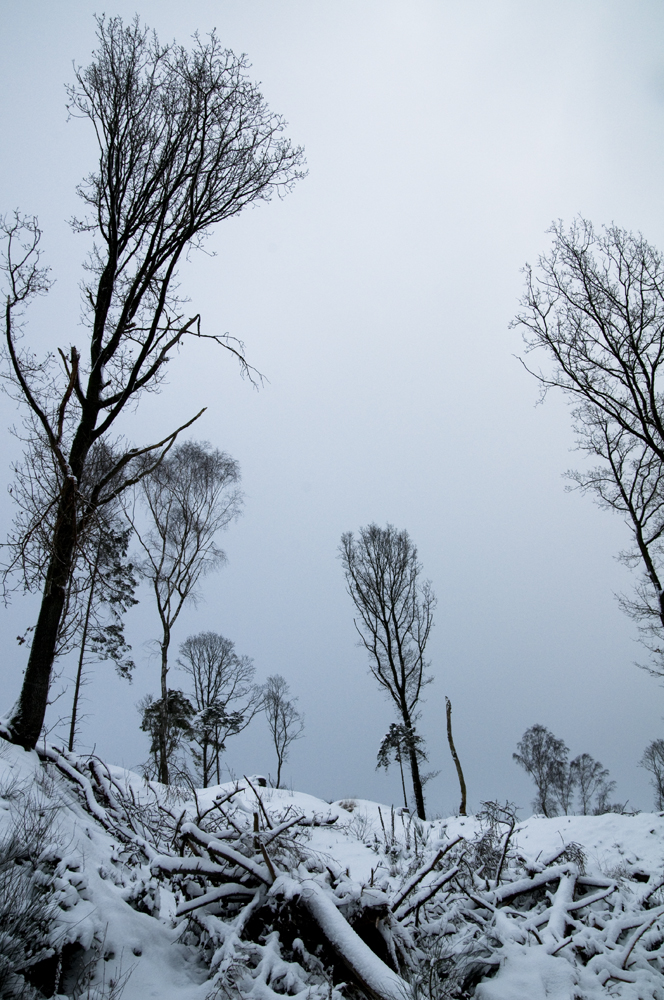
{"points": [[641, 931], [415, 879], [512, 889], [214, 846], [426, 894], [113, 826], [314, 821], [267, 819]]}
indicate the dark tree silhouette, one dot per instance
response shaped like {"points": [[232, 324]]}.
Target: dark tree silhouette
{"points": [[394, 619], [286, 724], [165, 743], [185, 141], [595, 306], [396, 745], [653, 761]]}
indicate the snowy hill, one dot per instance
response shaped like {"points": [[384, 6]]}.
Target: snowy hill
{"points": [[113, 887]]}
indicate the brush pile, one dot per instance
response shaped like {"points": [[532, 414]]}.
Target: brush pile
{"points": [[248, 891]]}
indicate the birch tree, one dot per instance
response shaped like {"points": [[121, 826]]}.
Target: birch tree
{"points": [[187, 499]]}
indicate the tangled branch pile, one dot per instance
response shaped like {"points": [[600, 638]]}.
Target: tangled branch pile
{"points": [[237, 879]]}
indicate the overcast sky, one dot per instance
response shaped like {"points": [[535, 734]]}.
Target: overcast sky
{"points": [[442, 139]]}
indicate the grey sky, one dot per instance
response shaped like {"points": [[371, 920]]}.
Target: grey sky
{"points": [[442, 139]]}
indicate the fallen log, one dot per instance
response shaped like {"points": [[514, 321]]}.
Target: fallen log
{"points": [[370, 971]]}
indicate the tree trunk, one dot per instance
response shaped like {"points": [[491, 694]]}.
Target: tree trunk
{"points": [[455, 758], [28, 715], [206, 765], [403, 782], [81, 657], [163, 726], [415, 771]]}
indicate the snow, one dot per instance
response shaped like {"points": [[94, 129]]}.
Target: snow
{"points": [[526, 976], [144, 939]]}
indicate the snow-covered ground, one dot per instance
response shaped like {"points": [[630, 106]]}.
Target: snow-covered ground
{"points": [[118, 914]]}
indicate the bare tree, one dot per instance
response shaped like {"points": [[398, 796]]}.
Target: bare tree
{"points": [[544, 757], [653, 761], [225, 697], [602, 801], [394, 619], [595, 305], [188, 498], [286, 724], [590, 779], [185, 141]]}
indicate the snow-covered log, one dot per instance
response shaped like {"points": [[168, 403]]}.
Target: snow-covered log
{"points": [[370, 971]]}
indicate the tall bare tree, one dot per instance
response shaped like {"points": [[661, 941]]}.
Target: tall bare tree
{"points": [[225, 697], [394, 619], [653, 761], [185, 141], [595, 306], [285, 722], [189, 498]]}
